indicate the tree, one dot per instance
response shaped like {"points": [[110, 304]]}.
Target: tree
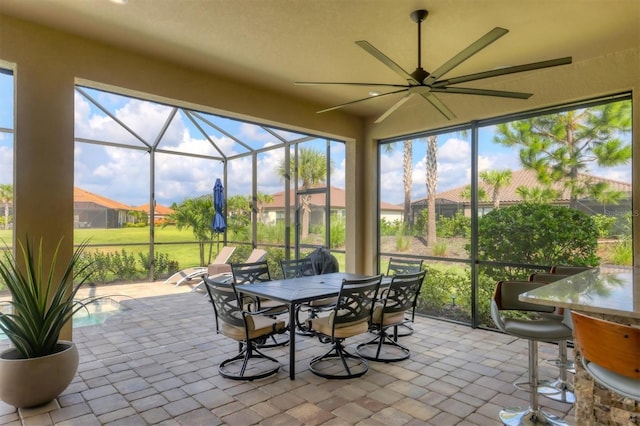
{"points": [[407, 177], [561, 147], [262, 200], [431, 171], [312, 169], [6, 200], [466, 194], [239, 216], [496, 179], [537, 195], [197, 214]]}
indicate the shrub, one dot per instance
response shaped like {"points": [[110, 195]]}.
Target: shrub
{"points": [[123, 265], [440, 248], [537, 234], [338, 233], [457, 225], [388, 229], [604, 224]]}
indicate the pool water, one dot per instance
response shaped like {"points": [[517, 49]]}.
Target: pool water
{"points": [[96, 313]]}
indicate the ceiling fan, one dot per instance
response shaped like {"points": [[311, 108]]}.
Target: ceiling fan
{"points": [[426, 85]]}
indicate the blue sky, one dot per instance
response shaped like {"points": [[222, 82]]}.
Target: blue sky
{"points": [[123, 174]]}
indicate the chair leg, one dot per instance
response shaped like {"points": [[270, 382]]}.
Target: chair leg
{"points": [[236, 368], [531, 415], [395, 351], [345, 370], [301, 326], [559, 389]]}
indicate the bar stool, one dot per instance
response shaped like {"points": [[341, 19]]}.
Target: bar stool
{"points": [[549, 388], [548, 329], [610, 353]]}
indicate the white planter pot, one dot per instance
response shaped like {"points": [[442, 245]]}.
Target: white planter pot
{"points": [[36, 381]]}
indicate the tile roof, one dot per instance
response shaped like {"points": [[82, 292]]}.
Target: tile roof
{"points": [[519, 178], [338, 200], [82, 196]]}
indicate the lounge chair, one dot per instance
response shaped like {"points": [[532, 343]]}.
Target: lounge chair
{"points": [[218, 266], [217, 269]]}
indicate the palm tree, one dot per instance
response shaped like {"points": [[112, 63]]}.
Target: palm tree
{"points": [[496, 179], [197, 214], [312, 169], [466, 193], [431, 161], [537, 195], [262, 200], [6, 199], [407, 178], [407, 174]]}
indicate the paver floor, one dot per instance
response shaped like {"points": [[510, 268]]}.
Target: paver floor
{"points": [[155, 362]]}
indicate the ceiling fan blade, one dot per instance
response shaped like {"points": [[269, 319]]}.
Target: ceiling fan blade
{"points": [[482, 92], [386, 60], [466, 53], [439, 105], [503, 71], [360, 100], [394, 107], [314, 83]]}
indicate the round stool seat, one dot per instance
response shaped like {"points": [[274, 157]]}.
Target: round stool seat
{"points": [[545, 329]]}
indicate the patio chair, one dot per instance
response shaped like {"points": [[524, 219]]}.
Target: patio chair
{"points": [[300, 268], [249, 329], [218, 265], [255, 272], [609, 353], [389, 313], [399, 266], [349, 317], [403, 266]]}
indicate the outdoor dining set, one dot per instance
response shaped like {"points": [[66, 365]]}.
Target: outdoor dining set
{"points": [[316, 301]]}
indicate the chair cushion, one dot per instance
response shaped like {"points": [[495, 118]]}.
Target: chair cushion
{"points": [[258, 325], [323, 302], [618, 383], [324, 326], [390, 318], [544, 329]]}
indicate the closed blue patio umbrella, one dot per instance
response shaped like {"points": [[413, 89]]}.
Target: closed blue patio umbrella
{"points": [[219, 225]]}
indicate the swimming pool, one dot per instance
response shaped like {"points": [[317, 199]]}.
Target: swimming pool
{"points": [[96, 313]]}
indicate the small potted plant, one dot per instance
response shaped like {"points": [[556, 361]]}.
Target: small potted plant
{"points": [[39, 366]]}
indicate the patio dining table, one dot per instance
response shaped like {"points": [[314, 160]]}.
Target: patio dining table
{"points": [[295, 291]]}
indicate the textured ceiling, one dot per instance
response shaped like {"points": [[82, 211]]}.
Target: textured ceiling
{"points": [[276, 42]]}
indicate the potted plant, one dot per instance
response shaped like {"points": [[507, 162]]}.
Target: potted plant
{"points": [[39, 366]]}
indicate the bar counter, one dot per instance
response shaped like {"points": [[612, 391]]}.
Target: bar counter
{"points": [[613, 295]]}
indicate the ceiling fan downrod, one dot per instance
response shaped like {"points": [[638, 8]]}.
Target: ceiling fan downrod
{"points": [[418, 16]]}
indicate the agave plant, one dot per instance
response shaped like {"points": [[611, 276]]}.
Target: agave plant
{"points": [[41, 304]]}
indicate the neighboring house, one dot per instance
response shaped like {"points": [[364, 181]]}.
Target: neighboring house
{"points": [[273, 212], [450, 202], [160, 212], [95, 211]]}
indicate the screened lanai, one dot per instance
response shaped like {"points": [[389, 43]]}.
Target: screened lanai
{"points": [[141, 152]]}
